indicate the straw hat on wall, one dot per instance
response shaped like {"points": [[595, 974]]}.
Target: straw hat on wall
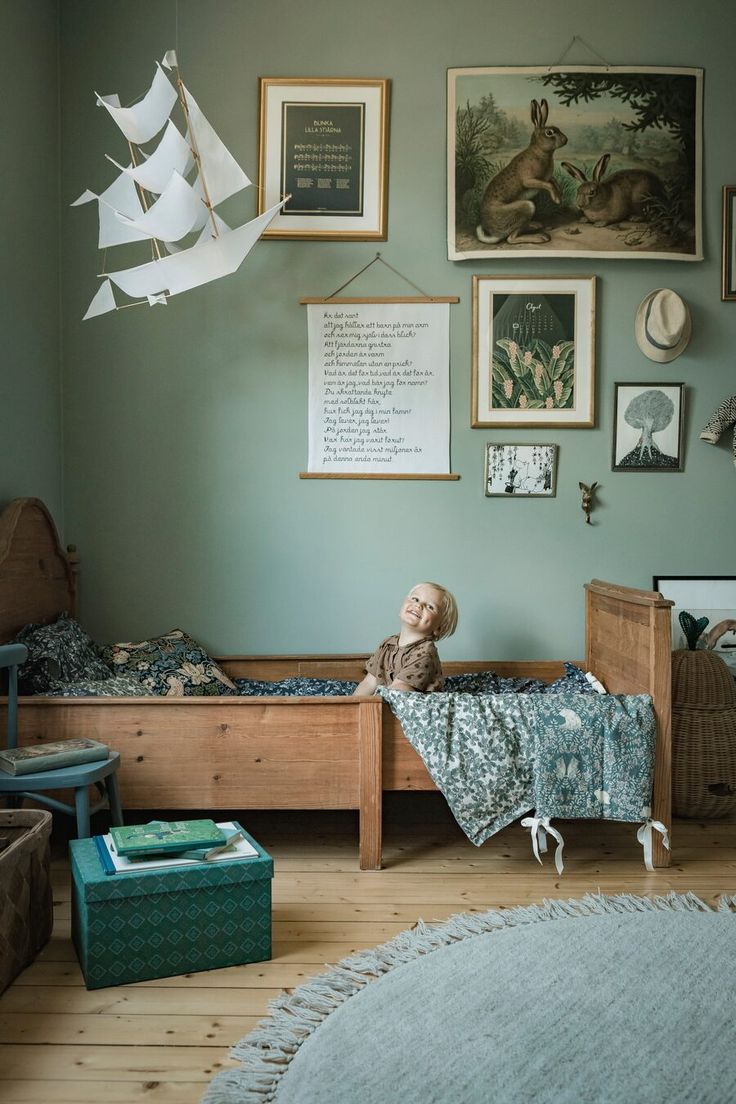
{"points": [[663, 325]]}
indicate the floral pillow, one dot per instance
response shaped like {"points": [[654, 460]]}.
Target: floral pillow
{"points": [[173, 665], [60, 652]]}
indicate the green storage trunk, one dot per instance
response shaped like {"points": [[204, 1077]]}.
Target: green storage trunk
{"points": [[160, 923]]}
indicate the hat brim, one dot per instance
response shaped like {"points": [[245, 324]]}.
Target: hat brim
{"points": [[662, 356]]}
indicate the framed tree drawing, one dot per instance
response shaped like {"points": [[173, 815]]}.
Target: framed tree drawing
{"points": [[585, 161], [533, 351], [647, 427], [324, 143]]}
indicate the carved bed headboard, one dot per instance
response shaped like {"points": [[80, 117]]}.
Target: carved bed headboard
{"points": [[37, 581]]}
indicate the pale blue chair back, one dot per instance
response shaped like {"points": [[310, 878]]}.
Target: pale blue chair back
{"points": [[79, 778], [11, 657]]}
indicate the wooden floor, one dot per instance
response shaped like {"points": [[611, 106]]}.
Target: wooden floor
{"points": [[163, 1040]]}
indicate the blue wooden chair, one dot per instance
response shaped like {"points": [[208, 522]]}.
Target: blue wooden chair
{"points": [[78, 777]]}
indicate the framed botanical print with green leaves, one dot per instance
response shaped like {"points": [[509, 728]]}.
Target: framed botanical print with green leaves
{"points": [[533, 351]]}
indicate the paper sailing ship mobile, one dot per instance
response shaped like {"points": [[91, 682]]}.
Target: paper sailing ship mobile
{"points": [[152, 200]]}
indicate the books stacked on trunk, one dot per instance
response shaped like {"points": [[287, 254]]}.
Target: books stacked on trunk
{"points": [[160, 844], [50, 756]]}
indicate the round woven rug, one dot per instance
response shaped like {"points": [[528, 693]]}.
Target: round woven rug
{"points": [[622, 1000]]}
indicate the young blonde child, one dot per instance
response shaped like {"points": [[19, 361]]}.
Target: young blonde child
{"points": [[408, 660]]}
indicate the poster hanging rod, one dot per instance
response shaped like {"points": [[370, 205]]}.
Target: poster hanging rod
{"points": [[424, 298], [312, 300], [375, 475]]}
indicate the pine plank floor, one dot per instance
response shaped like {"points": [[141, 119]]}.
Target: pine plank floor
{"points": [[161, 1041]]}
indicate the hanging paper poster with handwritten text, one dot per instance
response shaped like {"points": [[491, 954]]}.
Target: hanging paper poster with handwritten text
{"points": [[379, 388]]}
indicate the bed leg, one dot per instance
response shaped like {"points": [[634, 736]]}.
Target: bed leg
{"points": [[662, 789], [371, 783]]}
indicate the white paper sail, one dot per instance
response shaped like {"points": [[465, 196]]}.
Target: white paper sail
{"points": [[208, 231], [193, 267], [177, 212], [142, 122], [173, 154], [152, 200], [222, 174], [121, 197], [103, 301]]}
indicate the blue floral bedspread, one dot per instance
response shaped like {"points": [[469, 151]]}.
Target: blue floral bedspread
{"points": [[495, 757]]}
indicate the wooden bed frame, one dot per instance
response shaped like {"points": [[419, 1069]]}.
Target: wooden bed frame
{"points": [[295, 753]]}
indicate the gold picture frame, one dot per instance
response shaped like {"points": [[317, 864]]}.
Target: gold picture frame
{"points": [[324, 142], [533, 352]]}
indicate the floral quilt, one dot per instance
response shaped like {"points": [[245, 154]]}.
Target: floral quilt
{"points": [[495, 757]]}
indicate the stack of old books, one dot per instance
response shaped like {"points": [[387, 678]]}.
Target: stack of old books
{"points": [[160, 844], [50, 756]]}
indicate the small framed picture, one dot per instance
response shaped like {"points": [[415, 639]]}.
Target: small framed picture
{"points": [[728, 284], [533, 351], [521, 471], [647, 427], [708, 597], [324, 143]]}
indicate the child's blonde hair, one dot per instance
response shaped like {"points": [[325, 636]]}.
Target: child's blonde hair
{"points": [[448, 618]]}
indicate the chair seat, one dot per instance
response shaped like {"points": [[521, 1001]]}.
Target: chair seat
{"points": [[78, 774]]}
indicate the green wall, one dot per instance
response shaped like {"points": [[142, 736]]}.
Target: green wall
{"points": [[186, 426], [30, 396]]}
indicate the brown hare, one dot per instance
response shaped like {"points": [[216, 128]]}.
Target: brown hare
{"points": [[623, 196], [506, 210]]}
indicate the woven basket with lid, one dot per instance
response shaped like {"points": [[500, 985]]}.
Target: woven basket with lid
{"points": [[703, 735]]}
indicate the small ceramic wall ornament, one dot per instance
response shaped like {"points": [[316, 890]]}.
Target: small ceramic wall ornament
{"points": [[587, 504], [723, 419]]}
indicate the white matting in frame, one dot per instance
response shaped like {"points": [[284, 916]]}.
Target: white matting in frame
{"points": [[324, 142], [533, 351]]}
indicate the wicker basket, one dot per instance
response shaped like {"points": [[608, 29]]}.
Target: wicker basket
{"points": [[703, 736], [26, 907]]}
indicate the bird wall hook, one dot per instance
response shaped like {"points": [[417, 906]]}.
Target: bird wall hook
{"points": [[587, 503]]}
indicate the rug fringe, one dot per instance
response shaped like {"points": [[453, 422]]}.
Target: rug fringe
{"points": [[294, 1016]]}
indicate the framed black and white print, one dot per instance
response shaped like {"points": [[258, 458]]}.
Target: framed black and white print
{"points": [[647, 427], [521, 471], [728, 285]]}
